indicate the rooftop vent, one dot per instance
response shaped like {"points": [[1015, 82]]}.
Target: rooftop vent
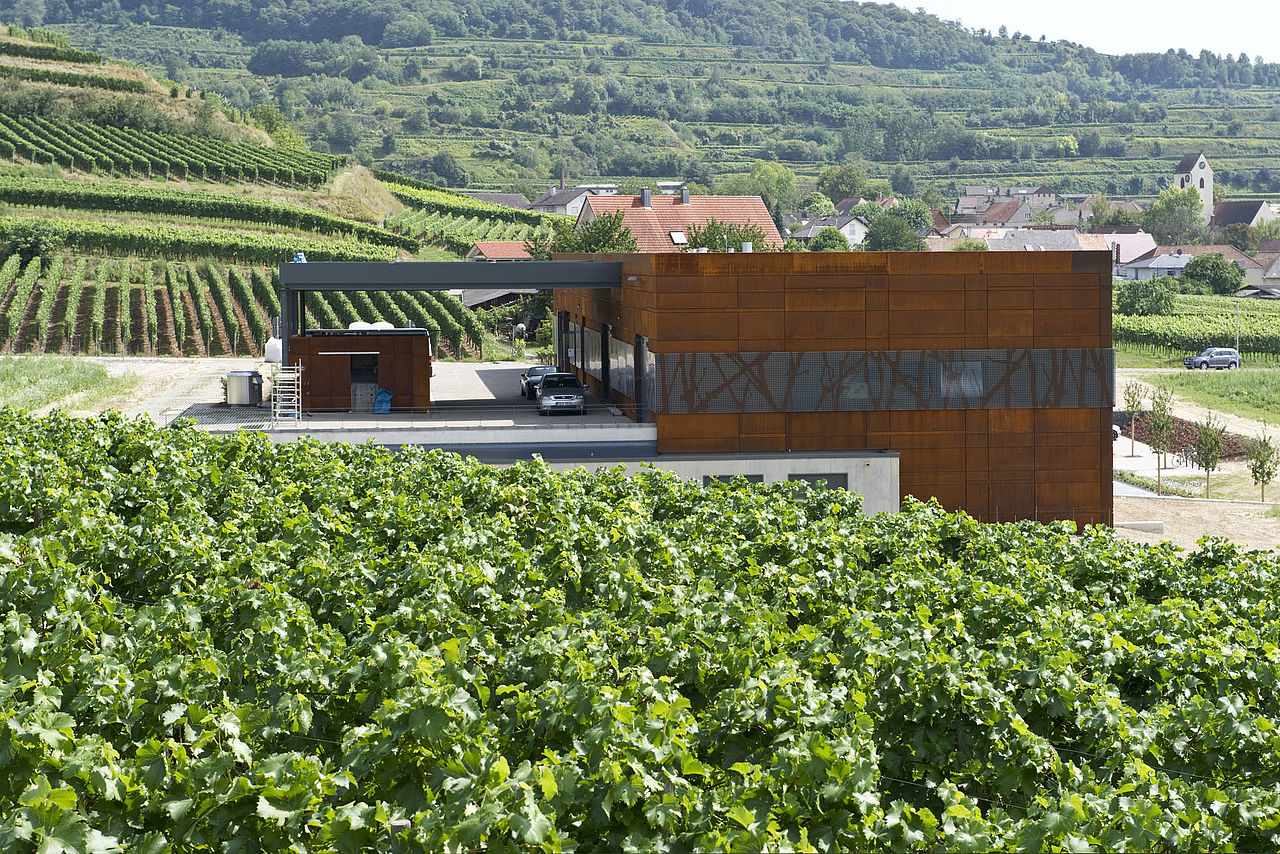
{"points": [[646, 198]]}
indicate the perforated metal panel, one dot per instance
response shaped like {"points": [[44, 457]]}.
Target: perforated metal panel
{"points": [[883, 380], [622, 368], [592, 355]]}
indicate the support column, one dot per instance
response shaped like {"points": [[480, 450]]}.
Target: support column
{"points": [[606, 385], [562, 340], [641, 361]]}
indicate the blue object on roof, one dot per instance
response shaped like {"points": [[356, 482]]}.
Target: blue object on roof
{"points": [[299, 258], [382, 402]]}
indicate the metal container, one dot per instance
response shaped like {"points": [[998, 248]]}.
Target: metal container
{"points": [[244, 388]]}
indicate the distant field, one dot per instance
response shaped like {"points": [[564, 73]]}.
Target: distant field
{"points": [[39, 381], [1249, 394]]}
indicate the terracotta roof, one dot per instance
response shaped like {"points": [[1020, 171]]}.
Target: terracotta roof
{"points": [[1269, 245], [652, 227], [1120, 229], [500, 249], [1188, 162], [1227, 251], [1226, 213], [940, 220], [1002, 211]]}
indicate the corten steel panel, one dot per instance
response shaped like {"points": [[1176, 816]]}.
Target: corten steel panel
{"points": [[877, 324], [678, 300], [705, 325], [821, 424], [850, 284], [766, 284], [762, 443], [824, 327], [929, 263], [1003, 325], [876, 300], [1008, 281], [911, 301], [1022, 298], [827, 443], [975, 323], [763, 323], [762, 299], [667, 285], [841, 263], [1064, 294], [824, 300], [921, 322], [701, 426], [764, 423], [1082, 420], [975, 299], [929, 284], [1079, 322]]}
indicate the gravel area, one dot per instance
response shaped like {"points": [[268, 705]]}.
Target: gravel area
{"points": [[1187, 520]]}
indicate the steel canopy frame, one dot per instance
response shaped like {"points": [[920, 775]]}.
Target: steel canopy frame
{"points": [[297, 279]]}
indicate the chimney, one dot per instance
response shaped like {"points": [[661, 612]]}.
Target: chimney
{"points": [[646, 199], [684, 196]]}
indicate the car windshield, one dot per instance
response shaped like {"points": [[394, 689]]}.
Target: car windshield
{"points": [[1207, 353], [539, 370], [561, 382]]}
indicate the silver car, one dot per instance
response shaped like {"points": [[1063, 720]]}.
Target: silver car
{"points": [[561, 393], [1217, 358]]}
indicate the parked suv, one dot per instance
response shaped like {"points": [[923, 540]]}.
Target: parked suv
{"points": [[1216, 358]]}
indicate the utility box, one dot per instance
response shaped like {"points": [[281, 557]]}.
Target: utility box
{"points": [[362, 395]]}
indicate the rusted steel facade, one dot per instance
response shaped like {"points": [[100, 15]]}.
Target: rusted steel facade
{"points": [[991, 373]]}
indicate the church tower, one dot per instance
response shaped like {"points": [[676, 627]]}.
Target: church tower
{"points": [[1194, 171]]}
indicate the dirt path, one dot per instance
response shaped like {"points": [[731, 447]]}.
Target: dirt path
{"points": [[1182, 408], [168, 385], [1186, 521]]}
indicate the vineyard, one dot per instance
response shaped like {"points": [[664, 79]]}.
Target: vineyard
{"points": [[325, 647], [127, 307], [1204, 321], [146, 154], [121, 196], [458, 233]]}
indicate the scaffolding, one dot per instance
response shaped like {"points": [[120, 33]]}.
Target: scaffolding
{"points": [[286, 395]]}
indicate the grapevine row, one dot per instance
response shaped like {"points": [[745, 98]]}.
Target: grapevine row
{"points": [[179, 242], [196, 287], [98, 303], [71, 312], [87, 146], [25, 284], [63, 193], [1193, 333], [51, 52], [71, 78], [48, 293], [149, 308], [259, 328], [174, 283], [455, 203], [124, 293]]}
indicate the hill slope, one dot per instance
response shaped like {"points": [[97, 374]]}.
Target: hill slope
{"points": [[149, 218], [478, 94]]}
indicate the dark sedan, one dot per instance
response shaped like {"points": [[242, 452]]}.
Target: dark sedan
{"points": [[532, 377]]}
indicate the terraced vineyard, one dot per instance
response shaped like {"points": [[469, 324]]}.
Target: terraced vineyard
{"points": [[139, 153], [70, 305]]}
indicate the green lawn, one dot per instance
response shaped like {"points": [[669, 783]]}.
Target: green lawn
{"points": [[1245, 393], [34, 382]]}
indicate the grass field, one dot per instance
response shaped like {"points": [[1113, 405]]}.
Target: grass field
{"points": [[1247, 393], [36, 382]]}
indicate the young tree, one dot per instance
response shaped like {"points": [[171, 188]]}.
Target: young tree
{"points": [[817, 204], [1241, 236], [829, 239], [1264, 460], [971, 244], [1132, 408], [1206, 449], [1161, 426]]}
